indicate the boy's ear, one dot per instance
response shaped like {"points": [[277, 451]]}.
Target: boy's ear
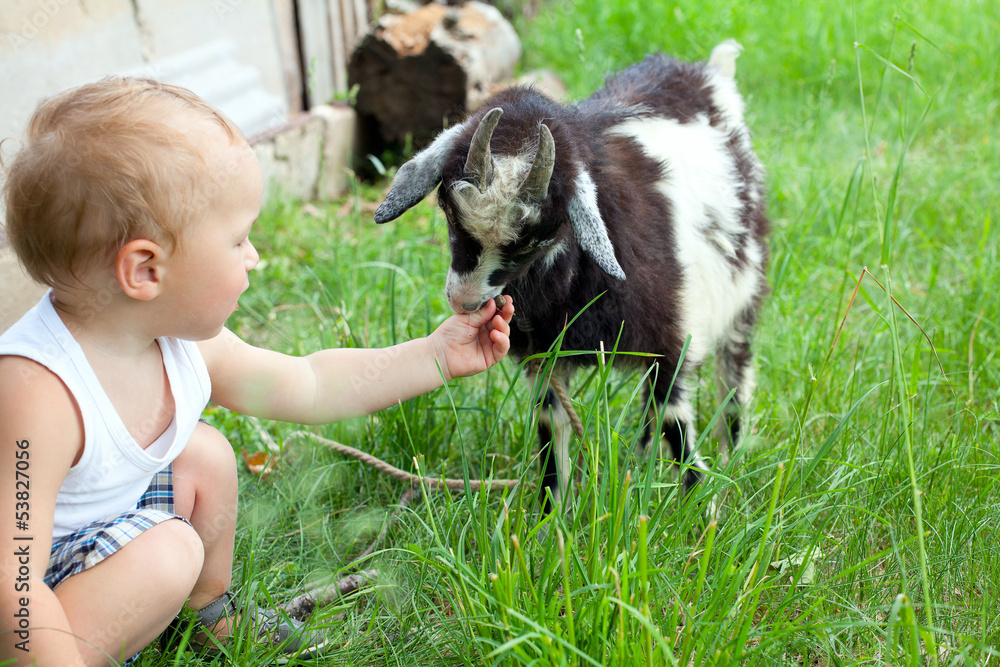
{"points": [[138, 268]]}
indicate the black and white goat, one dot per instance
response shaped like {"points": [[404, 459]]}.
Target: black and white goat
{"points": [[648, 191]]}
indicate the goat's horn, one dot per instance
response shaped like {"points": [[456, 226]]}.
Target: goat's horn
{"points": [[479, 163], [536, 184]]}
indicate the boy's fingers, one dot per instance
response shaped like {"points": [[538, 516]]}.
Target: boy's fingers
{"points": [[486, 314], [478, 318], [501, 344]]}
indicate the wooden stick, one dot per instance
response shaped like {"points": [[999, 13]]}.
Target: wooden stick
{"points": [[301, 606]]}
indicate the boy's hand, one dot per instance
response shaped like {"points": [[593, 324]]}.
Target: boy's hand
{"points": [[467, 344]]}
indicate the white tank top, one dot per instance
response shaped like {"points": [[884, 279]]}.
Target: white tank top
{"points": [[114, 471]]}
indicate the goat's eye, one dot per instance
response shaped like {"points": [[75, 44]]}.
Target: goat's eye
{"points": [[537, 244]]}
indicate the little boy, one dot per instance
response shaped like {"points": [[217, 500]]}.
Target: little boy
{"points": [[134, 200]]}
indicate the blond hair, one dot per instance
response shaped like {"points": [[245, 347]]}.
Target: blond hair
{"points": [[104, 164]]}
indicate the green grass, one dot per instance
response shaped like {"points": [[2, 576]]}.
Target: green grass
{"points": [[818, 557]]}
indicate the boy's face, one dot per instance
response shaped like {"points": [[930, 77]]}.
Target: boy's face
{"points": [[211, 266]]}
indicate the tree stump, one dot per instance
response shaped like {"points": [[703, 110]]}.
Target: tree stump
{"points": [[421, 71]]}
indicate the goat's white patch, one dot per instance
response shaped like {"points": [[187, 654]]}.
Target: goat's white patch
{"points": [[467, 291], [552, 254], [721, 71], [727, 99], [700, 170], [495, 215]]}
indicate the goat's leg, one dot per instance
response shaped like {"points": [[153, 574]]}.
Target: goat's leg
{"points": [[554, 434], [677, 414], [678, 430], [734, 370]]}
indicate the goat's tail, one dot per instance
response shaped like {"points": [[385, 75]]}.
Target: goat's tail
{"points": [[724, 57]]}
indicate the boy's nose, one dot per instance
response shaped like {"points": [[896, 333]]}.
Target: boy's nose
{"points": [[252, 258]]}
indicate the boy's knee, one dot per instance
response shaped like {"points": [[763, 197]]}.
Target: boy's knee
{"points": [[209, 450], [180, 550], [172, 552], [205, 477], [217, 445]]}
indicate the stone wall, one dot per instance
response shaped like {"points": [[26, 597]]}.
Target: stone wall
{"points": [[240, 55], [49, 45]]}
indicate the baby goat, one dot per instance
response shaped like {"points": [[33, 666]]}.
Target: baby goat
{"points": [[647, 193]]}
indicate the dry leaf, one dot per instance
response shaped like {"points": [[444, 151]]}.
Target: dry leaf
{"points": [[261, 464]]}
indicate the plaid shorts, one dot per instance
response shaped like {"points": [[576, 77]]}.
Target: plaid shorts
{"points": [[93, 543]]}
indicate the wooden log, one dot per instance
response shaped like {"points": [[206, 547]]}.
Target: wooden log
{"points": [[424, 70]]}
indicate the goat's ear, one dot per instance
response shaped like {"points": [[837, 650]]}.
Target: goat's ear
{"points": [[589, 228], [417, 178]]}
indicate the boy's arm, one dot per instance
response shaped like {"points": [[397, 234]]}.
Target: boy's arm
{"points": [[336, 384], [40, 436]]}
